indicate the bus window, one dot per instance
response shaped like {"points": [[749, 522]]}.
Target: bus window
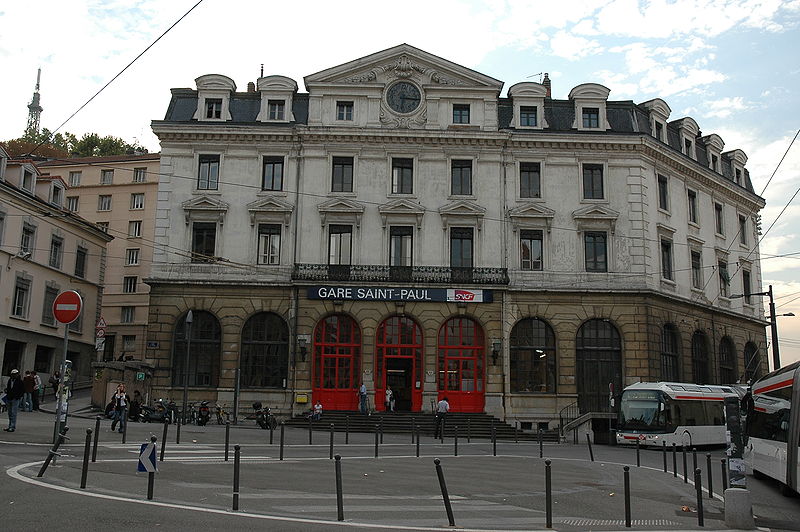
{"points": [[715, 414]]}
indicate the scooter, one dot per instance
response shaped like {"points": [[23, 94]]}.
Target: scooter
{"points": [[203, 414], [264, 417], [159, 413]]}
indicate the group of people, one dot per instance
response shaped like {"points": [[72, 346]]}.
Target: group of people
{"points": [[122, 407], [25, 392]]}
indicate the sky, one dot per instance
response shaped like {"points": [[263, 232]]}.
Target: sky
{"points": [[732, 65]]}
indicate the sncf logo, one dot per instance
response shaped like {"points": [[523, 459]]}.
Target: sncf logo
{"points": [[464, 295]]}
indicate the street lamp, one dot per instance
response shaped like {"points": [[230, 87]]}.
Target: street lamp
{"points": [[776, 357], [189, 319]]}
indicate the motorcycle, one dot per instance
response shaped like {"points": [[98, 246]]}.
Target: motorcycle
{"points": [[264, 417], [158, 413], [203, 414]]}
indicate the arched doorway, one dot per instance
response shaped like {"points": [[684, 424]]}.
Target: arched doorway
{"points": [[264, 358], [598, 357], [337, 362], [700, 360], [532, 357], [727, 361], [204, 350], [398, 363], [461, 364], [670, 353]]}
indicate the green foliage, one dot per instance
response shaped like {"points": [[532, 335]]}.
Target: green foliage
{"points": [[45, 144]]}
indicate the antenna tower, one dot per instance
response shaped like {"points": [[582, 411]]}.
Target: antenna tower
{"points": [[35, 108]]}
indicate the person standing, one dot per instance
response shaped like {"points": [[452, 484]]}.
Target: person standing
{"points": [[362, 398], [30, 385], [55, 380], [442, 408], [120, 400], [317, 413], [15, 390], [37, 391], [389, 399]]}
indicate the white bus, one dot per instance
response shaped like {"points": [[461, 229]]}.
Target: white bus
{"points": [[674, 412], [773, 428]]}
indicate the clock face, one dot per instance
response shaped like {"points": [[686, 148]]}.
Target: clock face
{"points": [[403, 97]]}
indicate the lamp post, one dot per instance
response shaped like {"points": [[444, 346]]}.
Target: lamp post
{"points": [[773, 322], [189, 319]]}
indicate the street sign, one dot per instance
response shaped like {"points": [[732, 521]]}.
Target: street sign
{"points": [[67, 306], [152, 345], [140, 375], [101, 323], [100, 333], [99, 344], [147, 458]]}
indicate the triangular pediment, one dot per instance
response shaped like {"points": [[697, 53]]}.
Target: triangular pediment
{"points": [[401, 210], [403, 62], [341, 205], [204, 203], [532, 210], [595, 212], [462, 208], [270, 209]]}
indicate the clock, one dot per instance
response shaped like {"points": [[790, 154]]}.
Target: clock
{"points": [[403, 97]]}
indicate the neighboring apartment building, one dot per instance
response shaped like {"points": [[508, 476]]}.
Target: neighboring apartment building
{"points": [[402, 224], [118, 193], [45, 250]]}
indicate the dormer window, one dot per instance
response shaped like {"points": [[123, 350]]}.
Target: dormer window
{"points": [[738, 175], [660, 131], [591, 117], [277, 109], [58, 195], [213, 107], [687, 148], [460, 113], [715, 163], [27, 180], [527, 116], [528, 99], [590, 100]]}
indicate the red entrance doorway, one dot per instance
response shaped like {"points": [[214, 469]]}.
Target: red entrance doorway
{"points": [[337, 363], [398, 363], [461, 364]]}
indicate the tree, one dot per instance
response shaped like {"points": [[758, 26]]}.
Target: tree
{"points": [[93, 145], [45, 144]]}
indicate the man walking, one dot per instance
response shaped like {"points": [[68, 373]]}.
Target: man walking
{"points": [[14, 393], [362, 398], [442, 408], [37, 390], [30, 386]]}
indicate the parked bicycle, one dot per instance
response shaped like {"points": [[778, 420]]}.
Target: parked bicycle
{"points": [[223, 416]]}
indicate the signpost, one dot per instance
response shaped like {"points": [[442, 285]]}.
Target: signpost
{"points": [[67, 308], [100, 334]]}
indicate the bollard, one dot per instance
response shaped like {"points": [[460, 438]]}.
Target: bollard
{"points": [[694, 458], [710, 477], [310, 432], [494, 441], [548, 494], [516, 432], [125, 425], [376, 440], [347, 430], [52, 452], [698, 485], [685, 471], [455, 441], [178, 432], [664, 453], [331, 444], [380, 428], [627, 476], [163, 441], [469, 431], [724, 475], [271, 431], [445, 496], [541, 449], [227, 438], [413, 424], [674, 460], [441, 430], [638, 458], [283, 425], [339, 501], [85, 470], [151, 478], [589, 443], [96, 436], [416, 429], [236, 462]]}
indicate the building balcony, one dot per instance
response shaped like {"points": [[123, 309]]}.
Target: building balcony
{"points": [[399, 274]]}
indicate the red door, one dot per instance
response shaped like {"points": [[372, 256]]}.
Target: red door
{"points": [[461, 365], [337, 363], [398, 354]]}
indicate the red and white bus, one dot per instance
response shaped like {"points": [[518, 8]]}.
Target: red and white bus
{"points": [[773, 428], [674, 412]]}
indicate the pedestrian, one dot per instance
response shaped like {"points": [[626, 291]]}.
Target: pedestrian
{"points": [[442, 408], [55, 380], [121, 401], [136, 405], [317, 414], [37, 391], [389, 399], [362, 398], [30, 384], [15, 390]]}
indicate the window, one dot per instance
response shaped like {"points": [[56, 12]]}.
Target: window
{"points": [[135, 228], [337, 354], [204, 241], [591, 117], [746, 287], [80, 262], [400, 241], [342, 179], [74, 179], [276, 109], [530, 250], [460, 113], [213, 107], [139, 175], [103, 226], [461, 177], [344, 111], [700, 372], [104, 203], [724, 278], [132, 257], [697, 270], [50, 294], [595, 250], [56, 252], [742, 230], [727, 361], [687, 147], [530, 180], [265, 351], [27, 181], [272, 176], [137, 201], [269, 244], [461, 359], [669, 353], [106, 177], [666, 260], [598, 362], [719, 220], [129, 284], [28, 238], [715, 163], [340, 243], [206, 335], [527, 116], [659, 131], [58, 193], [128, 342], [461, 248], [532, 356], [752, 362], [592, 181], [127, 315], [691, 197], [22, 294], [663, 193], [738, 174], [208, 172], [402, 176], [72, 203], [43, 358]]}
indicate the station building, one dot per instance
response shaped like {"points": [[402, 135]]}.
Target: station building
{"points": [[400, 223]]}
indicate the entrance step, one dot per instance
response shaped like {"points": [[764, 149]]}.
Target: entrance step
{"points": [[479, 425]]}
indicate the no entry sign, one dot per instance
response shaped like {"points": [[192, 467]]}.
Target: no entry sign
{"points": [[67, 306]]}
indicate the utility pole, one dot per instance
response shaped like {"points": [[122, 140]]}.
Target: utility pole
{"points": [[189, 319]]}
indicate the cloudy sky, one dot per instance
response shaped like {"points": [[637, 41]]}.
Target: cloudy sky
{"points": [[732, 65]]}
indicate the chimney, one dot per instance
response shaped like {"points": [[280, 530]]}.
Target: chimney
{"points": [[546, 83], [251, 87]]}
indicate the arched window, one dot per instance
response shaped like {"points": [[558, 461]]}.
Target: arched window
{"points": [[264, 359], [752, 362], [398, 362], [700, 372], [669, 353], [461, 364], [204, 350], [598, 357], [337, 353], [727, 361], [533, 357]]}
